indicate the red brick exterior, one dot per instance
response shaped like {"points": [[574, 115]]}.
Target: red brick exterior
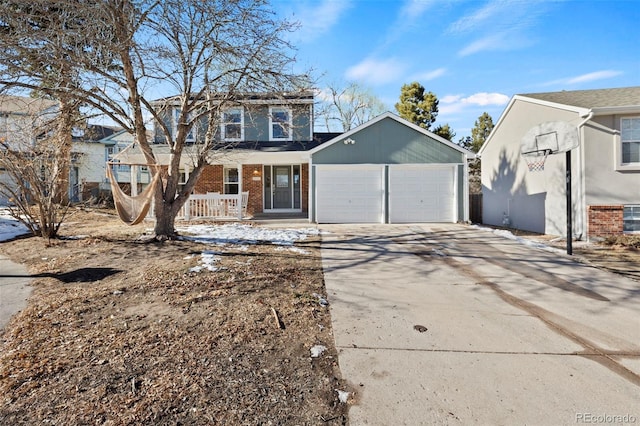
{"points": [[212, 180], [254, 186], [304, 186], [605, 221]]}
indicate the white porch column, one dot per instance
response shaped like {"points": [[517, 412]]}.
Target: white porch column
{"points": [[133, 170], [240, 189]]}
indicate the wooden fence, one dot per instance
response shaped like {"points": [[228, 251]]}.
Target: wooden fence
{"points": [[475, 208]]}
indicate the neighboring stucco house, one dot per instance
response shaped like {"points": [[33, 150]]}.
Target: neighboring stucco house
{"points": [[605, 166], [386, 170], [20, 121], [90, 150]]}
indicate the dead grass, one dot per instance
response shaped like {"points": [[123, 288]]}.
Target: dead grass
{"points": [[120, 332]]}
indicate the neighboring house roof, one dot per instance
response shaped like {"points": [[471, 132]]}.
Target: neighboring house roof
{"points": [[585, 103], [24, 105], [599, 98], [95, 133], [341, 136]]}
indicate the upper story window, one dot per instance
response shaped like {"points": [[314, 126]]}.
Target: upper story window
{"points": [[232, 126], [630, 137], [191, 136], [280, 123]]}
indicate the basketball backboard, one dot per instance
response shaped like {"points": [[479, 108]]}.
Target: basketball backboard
{"points": [[551, 137]]}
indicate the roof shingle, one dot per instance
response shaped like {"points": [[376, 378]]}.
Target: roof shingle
{"points": [[598, 98]]}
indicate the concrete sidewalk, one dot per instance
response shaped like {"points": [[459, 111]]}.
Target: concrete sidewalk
{"points": [[449, 324], [14, 289]]}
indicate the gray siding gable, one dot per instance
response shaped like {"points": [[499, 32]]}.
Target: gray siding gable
{"points": [[388, 140], [256, 123]]}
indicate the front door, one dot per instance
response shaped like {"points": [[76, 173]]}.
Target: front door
{"points": [[282, 187]]}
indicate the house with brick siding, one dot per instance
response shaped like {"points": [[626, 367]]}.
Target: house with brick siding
{"points": [[387, 170], [605, 167], [262, 144]]}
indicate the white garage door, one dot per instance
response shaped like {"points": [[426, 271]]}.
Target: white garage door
{"points": [[422, 193], [350, 194]]}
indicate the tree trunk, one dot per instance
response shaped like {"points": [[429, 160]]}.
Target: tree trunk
{"points": [[165, 220], [63, 157]]}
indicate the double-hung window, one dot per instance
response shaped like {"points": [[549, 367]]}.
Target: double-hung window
{"points": [[280, 123], [630, 138], [631, 218], [231, 180], [232, 126], [191, 135]]}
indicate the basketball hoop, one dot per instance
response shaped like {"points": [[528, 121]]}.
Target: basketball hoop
{"points": [[535, 160]]}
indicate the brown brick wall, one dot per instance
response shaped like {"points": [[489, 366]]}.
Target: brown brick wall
{"points": [[304, 180], [249, 171], [211, 180], [605, 221]]}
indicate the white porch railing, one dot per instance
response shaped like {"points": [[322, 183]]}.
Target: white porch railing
{"points": [[214, 205]]}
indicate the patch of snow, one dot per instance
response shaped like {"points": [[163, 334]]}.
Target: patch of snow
{"points": [[292, 249], [317, 350], [241, 235], [237, 233], [10, 228], [321, 299], [343, 396], [75, 237], [208, 260], [524, 241]]}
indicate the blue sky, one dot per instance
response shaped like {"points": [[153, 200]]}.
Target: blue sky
{"points": [[474, 55]]}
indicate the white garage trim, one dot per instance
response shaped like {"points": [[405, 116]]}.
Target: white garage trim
{"points": [[423, 193], [350, 193]]}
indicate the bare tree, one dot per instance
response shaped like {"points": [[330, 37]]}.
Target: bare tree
{"points": [[205, 54], [348, 106], [31, 156], [38, 165]]}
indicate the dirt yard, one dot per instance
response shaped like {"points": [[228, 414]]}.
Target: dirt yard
{"points": [[119, 331]]}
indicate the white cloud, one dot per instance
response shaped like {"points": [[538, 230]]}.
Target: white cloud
{"points": [[429, 75], [584, 78], [449, 99], [375, 72], [484, 98], [496, 42], [407, 19], [413, 9], [593, 76], [477, 18], [317, 18], [451, 104], [491, 42], [504, 24]]}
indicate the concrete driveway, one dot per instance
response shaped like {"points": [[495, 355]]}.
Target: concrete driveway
{"points": [[451, 324]]}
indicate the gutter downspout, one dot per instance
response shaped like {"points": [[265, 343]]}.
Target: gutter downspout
{"points": [[580, 173]]}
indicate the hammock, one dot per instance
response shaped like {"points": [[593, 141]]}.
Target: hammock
{"points": [[132, 210]]}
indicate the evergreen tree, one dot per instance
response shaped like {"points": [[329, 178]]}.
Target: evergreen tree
{"points": [[417, 106], [480, 132], [445, 131]]}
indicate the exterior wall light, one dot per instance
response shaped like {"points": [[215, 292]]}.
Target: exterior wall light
{"points": [[349, 141]]}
